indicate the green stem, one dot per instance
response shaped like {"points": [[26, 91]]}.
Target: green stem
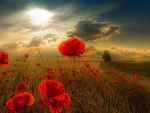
{"points": [[41, 57], [74, 66], [71, 62]]}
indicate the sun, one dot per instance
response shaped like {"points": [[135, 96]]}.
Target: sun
{"points": [[39, 16]]}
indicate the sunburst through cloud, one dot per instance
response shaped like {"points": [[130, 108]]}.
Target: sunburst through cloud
{"points": [[39, 16]]}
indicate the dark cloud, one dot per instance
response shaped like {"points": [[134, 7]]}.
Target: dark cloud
{"points": [[10, 46], [34, 42], [92, 30], [11, 6]]}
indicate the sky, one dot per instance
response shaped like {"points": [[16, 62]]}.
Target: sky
{"points": [[119, 26]]}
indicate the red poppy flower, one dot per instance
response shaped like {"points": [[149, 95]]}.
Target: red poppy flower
{"points": [[106, 79], [87, 65], [19, 101], [116, 82], [48, 76], [96, 81], [136, 76], [26, 55], [56, 103], [4, 73], [74, 74], [50, 71], [97, 70], [51, 88], [139, 86], [72, 47], [3, 59], [37, 64], [60, 68], [21, 87], [71, 79], [94, 72], [49, 68], [116, 75], [56, 98], [131, 81], [123, 75]]}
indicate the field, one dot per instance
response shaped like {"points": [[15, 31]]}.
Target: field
{"points": [[91, 88], [142, 68]]}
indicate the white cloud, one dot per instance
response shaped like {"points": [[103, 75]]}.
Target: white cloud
{"points": [[34, 42], [51, 37], [10, 46]]}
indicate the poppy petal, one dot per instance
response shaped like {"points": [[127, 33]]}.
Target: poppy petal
{"points": [[72, 47], [55, 110], [21, 87], [19, 101], [3, 59], [51, 88], [62, 100]]}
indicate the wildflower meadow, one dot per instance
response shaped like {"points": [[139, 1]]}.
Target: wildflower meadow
{"points": [[69, 86]]}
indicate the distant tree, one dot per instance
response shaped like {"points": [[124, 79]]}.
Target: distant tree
{"points": [[106, 56]]}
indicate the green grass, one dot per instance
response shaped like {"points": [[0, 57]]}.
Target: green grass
{"points": [[86, 95], [141, 68]]}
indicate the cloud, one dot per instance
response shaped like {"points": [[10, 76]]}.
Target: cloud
{"points": [[145, 55], [99, 52], [47, 36], [90, 48], [51, 37], [15, 23], [124, 54], [90, 53], [123, 51], [92, 30], [10, 46], [77, 9], [20, 43], [34, 42]]}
